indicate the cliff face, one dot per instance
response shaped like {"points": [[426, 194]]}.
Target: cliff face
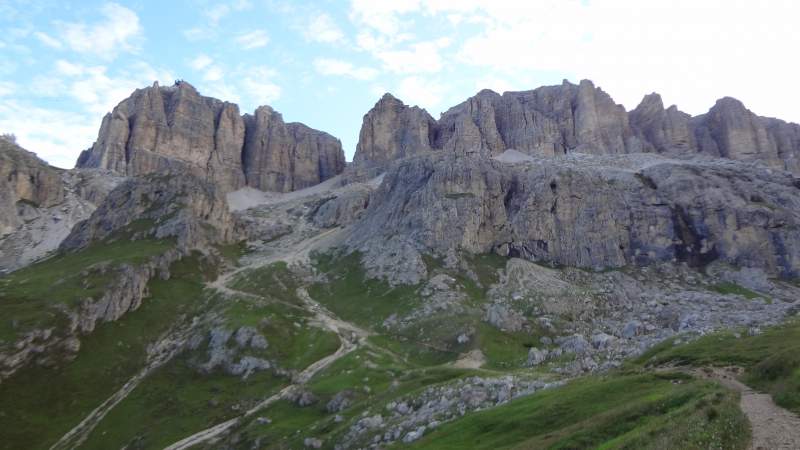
{"points": [[25, 180], [592, 211], [556, 120], [550, 120], [392, 130], [162, 128], [285, 157], [173, 204]]}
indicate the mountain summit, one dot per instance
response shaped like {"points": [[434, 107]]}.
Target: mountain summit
{"points": [[160, 127]]}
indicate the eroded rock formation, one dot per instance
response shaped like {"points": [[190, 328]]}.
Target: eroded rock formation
{"points": [[568, 118], [161, 128], [589, 211], [25, 181], [173, 204]]}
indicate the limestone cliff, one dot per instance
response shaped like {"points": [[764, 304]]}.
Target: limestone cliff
{"points": [[285, 157], [392, 130], [161, 128], [173, 204], [568, 118], [25, 180], [591, 211]]}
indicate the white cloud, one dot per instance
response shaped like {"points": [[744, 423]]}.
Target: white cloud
{"points": [[421, 57], [56, 136], [421, 91], [220, 10], [323, 29], [259, 91], [383, 16], [47, 86], [222, 91], [691, 51], [253, 39], [328, 66], [7, 88], [195, 34], [205, 64], [97, 91], [201, 62], [68, 68], [217, 12], [213, 73], [47, 40], [258, 87], [119, 31]]}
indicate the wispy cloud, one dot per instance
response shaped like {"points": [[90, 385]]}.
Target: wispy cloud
{"points": [[328, 66], [322, 28], [48, 40], [253, 39], [118, 31]]}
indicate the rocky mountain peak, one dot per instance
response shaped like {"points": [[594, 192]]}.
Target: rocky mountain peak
{"points": [[567, 118], [651, 101], [159, 128], [392, 130]]}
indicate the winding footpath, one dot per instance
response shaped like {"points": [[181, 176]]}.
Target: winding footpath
{"points": [[158, 355], [774, 428], [350, 336]]}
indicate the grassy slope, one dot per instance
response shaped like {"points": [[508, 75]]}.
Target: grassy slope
{"points": [[38, 405], [28, 296], [623, 411], [177, 400], [771, 359], [432, 340], [373, 378]]}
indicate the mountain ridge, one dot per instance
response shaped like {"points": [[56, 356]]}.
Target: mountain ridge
{"points": [[558, 119], [160, 127]]}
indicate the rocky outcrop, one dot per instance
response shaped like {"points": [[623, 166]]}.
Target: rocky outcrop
{"points": [[551, 120], [286, 157], [589, 211], [25, 182], [391, 130], [569, 118], [667, 130], [125, 291], [175, 204], [158, 129], [45, 227], [728, 130], [732, 131]]}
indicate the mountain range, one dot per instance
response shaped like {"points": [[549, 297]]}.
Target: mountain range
{"points": [[208, 279]]}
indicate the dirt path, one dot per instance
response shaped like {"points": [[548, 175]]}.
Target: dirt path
{"points": [[158, 355], [774, 428], [350, 336]]}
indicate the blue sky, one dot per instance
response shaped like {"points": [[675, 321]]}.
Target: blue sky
{"points": [[64, 64]]}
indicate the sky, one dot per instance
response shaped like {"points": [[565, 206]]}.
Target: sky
{"points": [[64, 64]]}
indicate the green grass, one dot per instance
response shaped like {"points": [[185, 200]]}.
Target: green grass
{"points": [[354, 297], [373, 377], [29, 297], [273, 281], [38, 405], [232, 252], [662, 411], [726, 288], [504, 350], [177, 401], [771, 359]]}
